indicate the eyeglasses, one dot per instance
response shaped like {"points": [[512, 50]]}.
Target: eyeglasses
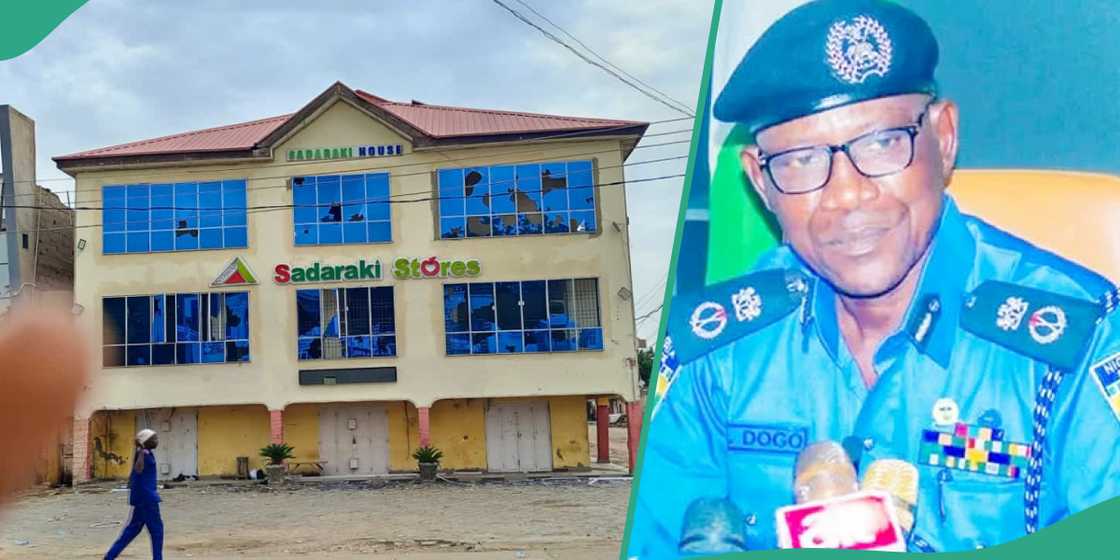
{"points": [[875, 154]]}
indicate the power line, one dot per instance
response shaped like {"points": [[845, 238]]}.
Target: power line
{"points": [[604, 60], [648, 315], [561, 42], [277, 207]]}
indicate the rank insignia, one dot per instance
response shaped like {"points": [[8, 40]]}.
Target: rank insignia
{"points": [[1106, 373], [974, 448]]}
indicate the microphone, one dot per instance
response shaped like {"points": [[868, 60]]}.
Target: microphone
{"points": [[712, 526], [899, 479], [823, 470]]}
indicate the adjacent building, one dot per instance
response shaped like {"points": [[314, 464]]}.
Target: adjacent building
{"points": [[357, 279]]}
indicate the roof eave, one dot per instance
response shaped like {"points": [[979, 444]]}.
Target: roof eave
{"points": [[74, 165]]}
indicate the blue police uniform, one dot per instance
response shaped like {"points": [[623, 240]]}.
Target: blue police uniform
{"points": [[762, 372], [1002, 385], [144, 498]]}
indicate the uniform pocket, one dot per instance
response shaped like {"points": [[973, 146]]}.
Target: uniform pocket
{"points": [[758, 483], [979, 510]]}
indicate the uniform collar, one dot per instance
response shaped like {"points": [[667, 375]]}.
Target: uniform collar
{"points": [[931, 320]]}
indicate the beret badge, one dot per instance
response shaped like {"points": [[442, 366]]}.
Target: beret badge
{"points": [[858, 50]]}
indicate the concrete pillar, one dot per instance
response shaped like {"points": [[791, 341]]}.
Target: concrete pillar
{"points": [[425, 426], [81, 462], [634, 411], [603, 428], [276, 425]]}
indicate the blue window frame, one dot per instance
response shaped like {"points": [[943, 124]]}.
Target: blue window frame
{"points": [[162, 217], [170, 329], [529, 199], [518, 317], [342, 209], [337, 323]]}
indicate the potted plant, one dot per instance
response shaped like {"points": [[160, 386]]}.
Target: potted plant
{"points": [[428, 457], [276, 453]]}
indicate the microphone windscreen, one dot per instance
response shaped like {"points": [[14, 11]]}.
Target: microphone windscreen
{"points": [[900, 480], [823, 470], [713, 526]]}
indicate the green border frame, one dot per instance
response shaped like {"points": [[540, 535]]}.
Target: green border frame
{"points": [[25, 23]]}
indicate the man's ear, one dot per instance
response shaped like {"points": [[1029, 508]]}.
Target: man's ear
{"points": [[749, 158], [945, 119]]}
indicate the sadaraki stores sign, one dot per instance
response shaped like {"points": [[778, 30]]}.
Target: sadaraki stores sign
{"points": [[403, 269]]}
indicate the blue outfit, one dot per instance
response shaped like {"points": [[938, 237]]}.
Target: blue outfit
{"points": [[761, 371], [144, 499]]}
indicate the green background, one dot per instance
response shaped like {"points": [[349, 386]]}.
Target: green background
{"points": [[24, 23]]}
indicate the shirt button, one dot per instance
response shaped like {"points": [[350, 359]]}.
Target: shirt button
{"points": [[868, 444], [934, 305], [752, 519]]}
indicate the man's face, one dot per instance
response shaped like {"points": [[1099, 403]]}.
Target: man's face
{"points": [[864, 235], [153, 442]]}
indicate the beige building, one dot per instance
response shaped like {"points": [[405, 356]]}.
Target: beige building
{"points": [[357, 279]]}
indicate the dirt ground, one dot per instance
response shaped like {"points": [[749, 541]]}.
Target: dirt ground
{"points": [[513, 519]]}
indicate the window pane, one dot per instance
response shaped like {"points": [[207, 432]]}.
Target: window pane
{"points": [[113, 243], [139, 317], [163, 354], [213, 352], [482, 306], [581, 195], [163, 241], [563, 340], [307, 234], [505, 224], [451, 202], [381, 309], [585, 302], [583, 222], [503, 189], [359, 347], [510, 342], [508, 305], [330, 233], [186, 317], [528, 188], [307, 313], [210, 204], [455, 308], [554, 187], [139, 355], [237, 351], [210, 238], [377, 186], [237, 315], [458, 344], [163, 204], [186, 239], [137, 242], [385, 345], [537, 341], [139, 206], [536, 306], [530, 224], [190, 353], [560, 303], [452, 228], [113, 202], [304, 197], [186, 203], [357, 311], [380, 232], [112, 320], [591, 339], [484, 343], [234, 203], [478, 226], [556, 222], [330, 198], [159, 319], [310, 348], [329, 312], [476, 187], [353, 189], [112, 356], [354, 232], [233, 237], [216, 318], [333, 348]]}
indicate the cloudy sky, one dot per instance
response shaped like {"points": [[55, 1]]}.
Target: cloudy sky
{"points": [[123, 70]]}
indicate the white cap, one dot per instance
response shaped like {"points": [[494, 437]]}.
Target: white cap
{"points": [[144, 435]]}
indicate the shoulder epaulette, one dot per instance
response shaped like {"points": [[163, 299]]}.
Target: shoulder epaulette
{"points": [[719, 314], [1049, 327]]}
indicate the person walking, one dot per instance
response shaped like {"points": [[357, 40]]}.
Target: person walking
{"points": [[143, 498]]}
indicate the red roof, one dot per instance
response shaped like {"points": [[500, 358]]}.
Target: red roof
{"points": [[432, 122]]}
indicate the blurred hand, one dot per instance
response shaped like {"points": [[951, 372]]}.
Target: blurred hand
{"points": [[43, 369]]}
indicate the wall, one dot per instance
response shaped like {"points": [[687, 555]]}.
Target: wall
{"points": [[111, 435], [459, 430], [271, 377], [301, 430], [404, 436], [228, 432], [568, 418]]}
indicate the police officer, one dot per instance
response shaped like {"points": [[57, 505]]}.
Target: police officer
{"points": [[887, 320]]}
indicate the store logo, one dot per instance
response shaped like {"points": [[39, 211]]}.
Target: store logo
{"points": [[432, 267], [285, 273], [236, 273], [345, 152]]}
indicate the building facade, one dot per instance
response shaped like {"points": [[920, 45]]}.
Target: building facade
{"points": [[356, 279]]}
